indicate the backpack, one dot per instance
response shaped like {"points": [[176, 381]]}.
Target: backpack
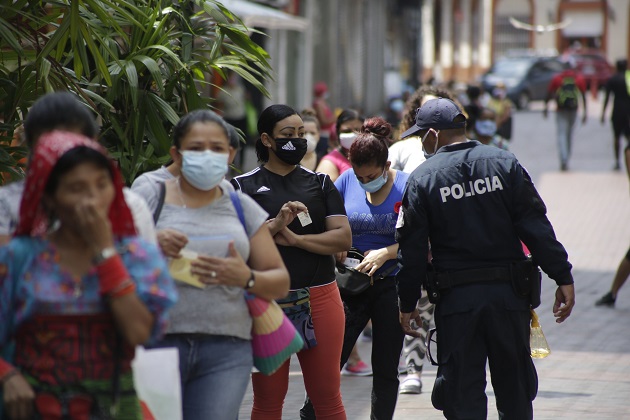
{"points": [[568, 94]]}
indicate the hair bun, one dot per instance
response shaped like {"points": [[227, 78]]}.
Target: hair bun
{"points": [[377, 126]]}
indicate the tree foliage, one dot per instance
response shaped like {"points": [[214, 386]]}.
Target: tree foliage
{"points": [[139, 65]]}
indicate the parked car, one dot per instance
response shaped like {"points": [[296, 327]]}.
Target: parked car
{"points": [[526, 78], [593, 66]]}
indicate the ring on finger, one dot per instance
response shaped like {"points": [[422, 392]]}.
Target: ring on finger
{"points": [[213, 274]]}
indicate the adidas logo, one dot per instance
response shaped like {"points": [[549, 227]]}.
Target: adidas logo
{"points": [[263, 189], [288, 146]]}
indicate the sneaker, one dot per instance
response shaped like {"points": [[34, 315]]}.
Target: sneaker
{"points": [[411, 385], [358, 369], [606, 300]]}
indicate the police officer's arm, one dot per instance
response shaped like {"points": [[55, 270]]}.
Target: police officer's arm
{"points": [[535, 230], [412, 234]]}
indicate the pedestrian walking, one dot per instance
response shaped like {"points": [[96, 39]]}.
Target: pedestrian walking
{"points": [[502, 106], [619, 86], [621, 275], [473, 203], [78, 289], [372, 191], [211, 325], [567, 88], [309, 227]]}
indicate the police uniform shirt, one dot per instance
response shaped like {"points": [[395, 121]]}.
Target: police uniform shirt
{"points": [[317, 192], [474, 203]]}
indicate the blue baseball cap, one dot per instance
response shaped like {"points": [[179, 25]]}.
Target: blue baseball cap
{"points": [[437, 114]]}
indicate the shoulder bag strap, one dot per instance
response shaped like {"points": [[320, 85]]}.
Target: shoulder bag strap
{"points": [[236, 202], [161, 197]]}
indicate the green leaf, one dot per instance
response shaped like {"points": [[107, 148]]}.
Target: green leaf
{"points": [[165, 109], [6, 35], [153, 68], [132, 79]]}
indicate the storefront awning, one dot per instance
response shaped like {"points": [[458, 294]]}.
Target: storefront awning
{"points": [[256, 15]]}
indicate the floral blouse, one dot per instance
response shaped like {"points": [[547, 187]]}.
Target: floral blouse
{"points": [[33, 284]]}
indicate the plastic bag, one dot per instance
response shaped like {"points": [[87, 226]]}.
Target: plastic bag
{"points": [[157, 381], [537, 341]]}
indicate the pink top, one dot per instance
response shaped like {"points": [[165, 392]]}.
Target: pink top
{"points": [[340, 161]]}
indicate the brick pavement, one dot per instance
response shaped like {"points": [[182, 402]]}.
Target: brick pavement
{"points": [[587, 376]]}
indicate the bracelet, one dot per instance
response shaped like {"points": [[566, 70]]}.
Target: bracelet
{"points": [[112, 274]]}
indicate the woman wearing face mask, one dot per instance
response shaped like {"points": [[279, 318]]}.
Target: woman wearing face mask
{"points": [[372, 191], [486, 130], [309, 227], [312, 135], [336, 162], [502, 106], [210, 324]]}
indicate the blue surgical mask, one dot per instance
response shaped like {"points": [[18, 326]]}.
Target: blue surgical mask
{"points": [[376, 184], [486, 127], [204, 170]]}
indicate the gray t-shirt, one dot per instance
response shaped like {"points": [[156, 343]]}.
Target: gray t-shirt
{"points": [[215, 310], [147, 185]]}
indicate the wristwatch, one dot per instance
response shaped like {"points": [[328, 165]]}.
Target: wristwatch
{"points": [[251, 281], [104, 254]]}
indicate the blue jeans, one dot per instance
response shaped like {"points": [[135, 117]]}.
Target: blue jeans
{"points": [[565, 121], [214, 371]]}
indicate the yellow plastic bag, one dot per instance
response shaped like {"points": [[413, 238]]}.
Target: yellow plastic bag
{"points": [[537, 341]]}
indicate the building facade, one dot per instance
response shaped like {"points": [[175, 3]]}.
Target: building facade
{"points": [[369, 51]]}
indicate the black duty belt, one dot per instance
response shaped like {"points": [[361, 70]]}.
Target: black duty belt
{"points": [[479, 275]]}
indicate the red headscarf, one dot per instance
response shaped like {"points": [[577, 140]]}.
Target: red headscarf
{"points": [[49, 149]]}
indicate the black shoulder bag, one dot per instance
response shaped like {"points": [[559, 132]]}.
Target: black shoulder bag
{"points": [[352, 282]]}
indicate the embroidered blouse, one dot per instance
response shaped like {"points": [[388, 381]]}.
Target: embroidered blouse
{"points": [[33, 284]]}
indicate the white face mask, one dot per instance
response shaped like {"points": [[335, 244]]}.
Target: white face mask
{"points": [[346, 140], [204, 170], [311, 142]]}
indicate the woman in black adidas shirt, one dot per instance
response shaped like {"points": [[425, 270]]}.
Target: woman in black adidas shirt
{"points": [[310, 226]]}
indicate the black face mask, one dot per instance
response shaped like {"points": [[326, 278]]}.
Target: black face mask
{"points": [[290, 150]]}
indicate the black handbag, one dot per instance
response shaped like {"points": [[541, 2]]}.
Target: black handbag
{"points": [[352, 282]]}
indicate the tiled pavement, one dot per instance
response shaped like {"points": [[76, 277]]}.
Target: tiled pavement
{"points": [[587, 376]]}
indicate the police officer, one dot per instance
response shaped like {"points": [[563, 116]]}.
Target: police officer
{"points": [[474, 204]]}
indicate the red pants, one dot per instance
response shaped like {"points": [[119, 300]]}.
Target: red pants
{"points": [[320, 365]]}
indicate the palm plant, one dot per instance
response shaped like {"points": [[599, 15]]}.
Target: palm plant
{"points": [[138, 64]]}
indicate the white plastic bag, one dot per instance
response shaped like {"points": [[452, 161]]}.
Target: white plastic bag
{"points": [[157, 381]]}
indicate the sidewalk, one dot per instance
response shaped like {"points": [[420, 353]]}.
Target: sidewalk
{"points": [[587, 375]]}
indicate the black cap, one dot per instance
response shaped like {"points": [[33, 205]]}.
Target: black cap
{"points": [[437, 114]]}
